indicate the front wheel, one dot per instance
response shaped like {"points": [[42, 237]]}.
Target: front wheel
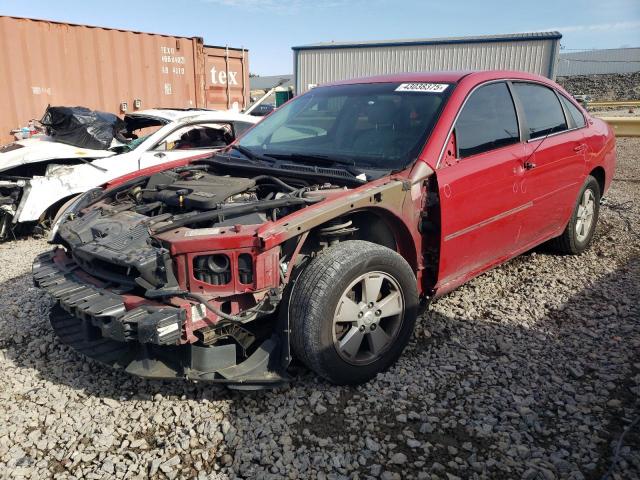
{"points": [[578, 234], [352, 311], [5, 225]]}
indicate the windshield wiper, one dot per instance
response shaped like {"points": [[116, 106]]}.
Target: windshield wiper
{"points": [[272, 159], [313, 157], [250, 154], [88, 162]]}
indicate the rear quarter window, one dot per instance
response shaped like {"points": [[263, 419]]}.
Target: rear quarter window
{"points": [[576, 114], [542, 109]]}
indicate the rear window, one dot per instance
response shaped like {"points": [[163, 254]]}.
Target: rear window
{"points": [[541, 108], [576, 114], [487, 121]]}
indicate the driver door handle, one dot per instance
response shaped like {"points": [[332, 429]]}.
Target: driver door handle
{"points": [[159, 155], [529, 165]]}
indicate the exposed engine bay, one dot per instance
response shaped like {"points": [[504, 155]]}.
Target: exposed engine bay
{"points": [[195, 197], [117, 240]]}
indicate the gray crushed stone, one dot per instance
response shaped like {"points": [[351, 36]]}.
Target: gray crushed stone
{"points": [[530, 371]]}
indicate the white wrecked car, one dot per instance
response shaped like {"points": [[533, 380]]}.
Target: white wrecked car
{"points": [[38, 175]]}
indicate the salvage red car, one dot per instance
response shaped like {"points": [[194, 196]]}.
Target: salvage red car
{"points": [[323, 230]]}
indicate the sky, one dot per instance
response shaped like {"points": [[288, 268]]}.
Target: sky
{"points": [[269, 28]]}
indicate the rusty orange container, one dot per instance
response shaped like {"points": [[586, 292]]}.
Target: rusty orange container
{"points": [[50, 63], [226, 72]]}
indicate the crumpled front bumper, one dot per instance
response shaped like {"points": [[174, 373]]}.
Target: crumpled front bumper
{"points": [[103, 309], [145, 341]]}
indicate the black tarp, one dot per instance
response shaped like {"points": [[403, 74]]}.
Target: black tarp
{"points": [[82, 127]]}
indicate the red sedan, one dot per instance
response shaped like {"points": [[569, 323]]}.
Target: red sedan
{"points": [[322, 229]]}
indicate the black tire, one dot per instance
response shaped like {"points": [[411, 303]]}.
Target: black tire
{"points": [[569, 242], [5, 225], [315, 298]]}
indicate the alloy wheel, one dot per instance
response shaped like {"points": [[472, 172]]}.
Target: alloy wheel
{"points": [[368, 318], [584, 217]]}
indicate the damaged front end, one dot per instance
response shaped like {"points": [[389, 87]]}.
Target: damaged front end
{"points": [[147, 338], [11, 191], [27, 196], [166, 277]]}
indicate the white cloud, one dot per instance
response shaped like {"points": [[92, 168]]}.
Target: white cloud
{"points": [[598, 27]]}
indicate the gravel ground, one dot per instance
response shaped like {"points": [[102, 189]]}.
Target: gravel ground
{"points": [[530, 371]]}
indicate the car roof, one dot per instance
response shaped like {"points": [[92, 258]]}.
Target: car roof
{"points": [[443, 77], [170, 114], [175, 115]]}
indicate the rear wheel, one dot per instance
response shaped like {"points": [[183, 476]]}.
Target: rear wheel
{"points": [[353, 309], [578, 234]]}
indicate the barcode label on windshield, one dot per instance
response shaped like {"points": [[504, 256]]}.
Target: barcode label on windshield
{"points": [[422, 87]]}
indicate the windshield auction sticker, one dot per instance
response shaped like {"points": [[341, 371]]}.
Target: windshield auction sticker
{"points": [[422, 87]]}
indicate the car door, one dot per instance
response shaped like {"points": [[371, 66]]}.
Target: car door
{"points": [[555, 148], [480, 198], [188, 141]]}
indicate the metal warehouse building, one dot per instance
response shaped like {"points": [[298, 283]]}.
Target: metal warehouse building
{"points": [[594, 62], [333, 61]]}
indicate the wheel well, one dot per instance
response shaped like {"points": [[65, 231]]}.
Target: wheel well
{"points": [[599, 175], [381, 228], [372, 228]]}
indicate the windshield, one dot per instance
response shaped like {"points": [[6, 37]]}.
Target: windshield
{"points": [[133, 144], [138, 129], [379, 125]]}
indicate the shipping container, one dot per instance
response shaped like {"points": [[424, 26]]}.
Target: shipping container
{"points": [[226, 73], [321, 63], [51, 63]]}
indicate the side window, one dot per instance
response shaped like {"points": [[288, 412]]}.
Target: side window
{"points": [[194, 137], [541, 108], [487, 121], [576, 114]]}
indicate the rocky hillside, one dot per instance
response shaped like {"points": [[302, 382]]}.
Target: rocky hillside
{"points": [[615, 86]]}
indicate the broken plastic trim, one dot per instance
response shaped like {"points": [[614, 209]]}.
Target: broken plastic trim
{"points": [[216, 364], [88, 318]]}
